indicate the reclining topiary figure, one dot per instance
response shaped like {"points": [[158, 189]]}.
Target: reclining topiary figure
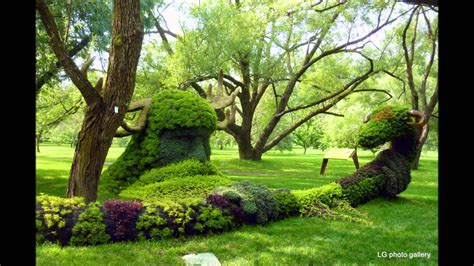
{"points": [[389, 173], [70, 221], [173, 126]]}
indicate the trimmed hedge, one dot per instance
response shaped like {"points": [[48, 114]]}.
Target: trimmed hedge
{"points": [[183, 190], [287, 204], [327, 194], [189, 167]]}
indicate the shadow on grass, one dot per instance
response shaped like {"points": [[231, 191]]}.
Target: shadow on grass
{"points": [[51, 182]]}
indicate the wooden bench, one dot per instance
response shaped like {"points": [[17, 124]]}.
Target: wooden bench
{"points": [[339, 154]]}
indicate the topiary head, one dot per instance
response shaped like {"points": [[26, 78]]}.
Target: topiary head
{"points": [[173, 126], [391, 123], [183, 123]]}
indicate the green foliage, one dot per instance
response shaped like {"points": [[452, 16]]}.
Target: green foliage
{"points": [[176, 108], [386, 123], [256, 200], [58, 215], [80, 19], [38, 225], [341, 210], [90, 228], [182, 189], [328, 202], [308, 135], [184, 143], [287, 204], [184, 168], [59, 112], [152, 225], [219, 139], [180, 217], [363, 190], [212, 219], [324, 195], [192, 120]]}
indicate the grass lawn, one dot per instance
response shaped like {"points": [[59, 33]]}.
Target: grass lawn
{"points": [[408, 224]]}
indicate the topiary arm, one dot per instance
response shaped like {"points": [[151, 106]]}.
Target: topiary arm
{"points": [[220, 101], [144, 106]]}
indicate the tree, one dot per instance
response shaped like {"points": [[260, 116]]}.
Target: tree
{"points": [[423, 84], [53, 107], [83, 27], [308, 135], [107, 102], [270, 50]]}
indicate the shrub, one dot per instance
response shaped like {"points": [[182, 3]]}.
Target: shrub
{"points": [[182, 190], [287, 204], [169, 219], [120, 219], [152, 224], [212, 219], [256, 200], [223, 203], [180, 217], [190, 167], [90, 228], [39, 225], [57, 216]]}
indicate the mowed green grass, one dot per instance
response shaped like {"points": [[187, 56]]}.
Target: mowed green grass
{"points": [[407, 224]]}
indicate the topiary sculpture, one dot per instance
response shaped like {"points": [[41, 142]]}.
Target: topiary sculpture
{"points": [[389, 173], [173, 126], [69, 221]]}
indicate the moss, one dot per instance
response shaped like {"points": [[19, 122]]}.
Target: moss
{"points": [[178, 127], [386, 123], [364, 190]]}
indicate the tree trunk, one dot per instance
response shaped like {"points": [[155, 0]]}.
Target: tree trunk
{"points": [[38, 138], [101, 120], [89, 156], [419, 148], [304, 147], [246, 151]]}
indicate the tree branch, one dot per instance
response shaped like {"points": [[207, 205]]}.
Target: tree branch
{"points": [[409, 62], [45, 77], [330, 7], [91, 96], [331, 113]]}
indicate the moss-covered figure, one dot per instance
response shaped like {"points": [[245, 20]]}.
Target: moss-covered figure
{"points": [[389, 173], [177, 127], [172, 200]]}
